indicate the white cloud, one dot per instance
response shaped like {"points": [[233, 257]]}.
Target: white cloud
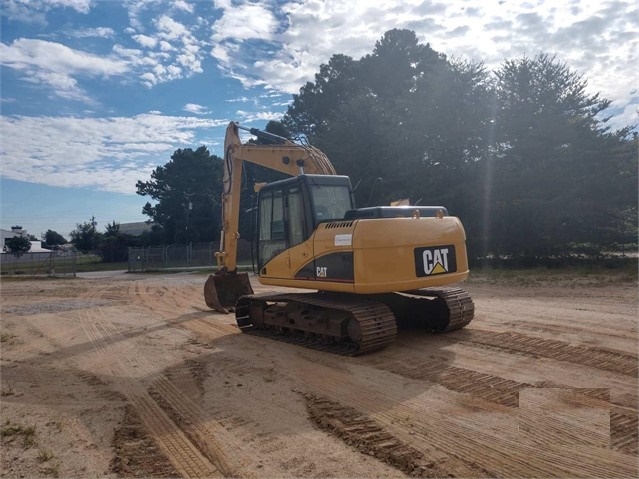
{"points": [[25, 53], [171, 49], [170, 29], [182, 5], [145, 41], [166, 46], [81, 6], [35, 11], [149, 79], [245, 21], [196, 109], [136, 9], [254, 116], [55, 65], [100, 32], [64, 85], [242, 99], [107, 154], [16, 10]]}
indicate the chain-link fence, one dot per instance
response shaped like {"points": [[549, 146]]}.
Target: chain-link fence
{"points": [[54, 263], [180, 257]]}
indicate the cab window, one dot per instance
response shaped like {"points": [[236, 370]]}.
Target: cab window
{"points": [[295, 214], [272, 240], [330, 202]]}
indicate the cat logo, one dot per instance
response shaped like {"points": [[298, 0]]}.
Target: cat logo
{"points": [[431, 261], [435, 261], [322, 271]]}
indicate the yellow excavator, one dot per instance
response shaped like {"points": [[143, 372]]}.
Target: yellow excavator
{"points": [[367, 270]]}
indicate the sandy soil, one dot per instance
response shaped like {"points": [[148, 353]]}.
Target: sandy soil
{"points": [[132, 376]]}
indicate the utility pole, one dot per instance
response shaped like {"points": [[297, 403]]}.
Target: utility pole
{"points": [[93, 233]]}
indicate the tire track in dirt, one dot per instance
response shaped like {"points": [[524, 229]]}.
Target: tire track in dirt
{"points": [[182, 453], [269, 428], [368, 437], [202, 431], [556, 415], [108, 342], [596, 328], [207, 328], [603, 359], [136, 453], [389, 410], [623, 421], [175, 402], [624, 425], [488, 387], [188, 377], [485, 386], [496, 449], [108, 291], [166, 301]]}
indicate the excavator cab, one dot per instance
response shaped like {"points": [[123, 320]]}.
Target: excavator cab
{"points": [[289, 211]]}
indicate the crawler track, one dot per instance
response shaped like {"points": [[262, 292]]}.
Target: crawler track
{"points": [[437, 309], [319, 321], [351, 324]]}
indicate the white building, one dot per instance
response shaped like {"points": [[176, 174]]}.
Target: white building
{"points": [[12, 233], [5, 235]]}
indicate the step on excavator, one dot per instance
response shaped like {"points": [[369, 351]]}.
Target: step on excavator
{"points": [[368, 270]]}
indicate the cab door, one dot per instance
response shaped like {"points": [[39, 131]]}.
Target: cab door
{"points": [[283, 227], [298, 229], [271, 232]]}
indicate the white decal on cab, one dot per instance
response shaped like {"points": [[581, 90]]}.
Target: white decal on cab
{"points": [[343, 240]]}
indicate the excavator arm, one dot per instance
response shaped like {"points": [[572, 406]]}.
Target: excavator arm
{"points": [[284, 156], [222, 290]]}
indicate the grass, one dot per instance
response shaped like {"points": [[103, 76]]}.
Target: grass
{"points": [[7, 389], [28, 433], [52, 470], [63, 265], [57, 425], [591, 274], [44, 456], [6, 337], [87, 266]]}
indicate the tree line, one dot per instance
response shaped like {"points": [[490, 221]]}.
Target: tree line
{"points": [[524, 154]]}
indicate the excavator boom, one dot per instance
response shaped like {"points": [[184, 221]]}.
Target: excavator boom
{"points": [[222, 290]]}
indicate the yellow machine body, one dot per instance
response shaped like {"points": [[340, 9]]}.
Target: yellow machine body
{"points": [[368, 270], [368, 256]]}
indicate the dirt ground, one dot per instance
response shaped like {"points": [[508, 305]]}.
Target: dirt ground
{"points": [[132, 376]]}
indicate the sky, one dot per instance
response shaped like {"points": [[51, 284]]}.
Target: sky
{"points": [[95, 94]]}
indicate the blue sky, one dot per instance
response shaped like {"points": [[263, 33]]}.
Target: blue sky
{"points": [[95, 94]]}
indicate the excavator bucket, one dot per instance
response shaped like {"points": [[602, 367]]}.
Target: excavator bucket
{"points": [[222, 290]]}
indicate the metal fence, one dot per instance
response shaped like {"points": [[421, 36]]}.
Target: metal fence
{"points": [[180, 257], [54, 263]]}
